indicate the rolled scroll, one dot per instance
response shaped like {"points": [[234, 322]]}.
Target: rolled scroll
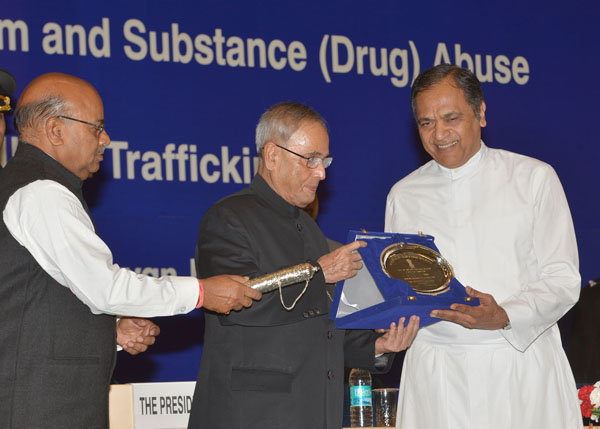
{"points": [[284, 277]]}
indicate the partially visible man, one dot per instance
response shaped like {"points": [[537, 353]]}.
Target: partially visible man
{"points": [[280, 364], [503, 222], [8, 85], [59, 288]]}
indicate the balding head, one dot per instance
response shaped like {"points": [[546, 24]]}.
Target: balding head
{"points": [[63, 116], [50, 95]]}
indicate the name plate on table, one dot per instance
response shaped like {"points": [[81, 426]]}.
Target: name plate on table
{"points": [[402, 275], [162, 405]]}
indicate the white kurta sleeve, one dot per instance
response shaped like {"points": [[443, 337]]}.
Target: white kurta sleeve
{"points": [[555, 286], [50, 222], [389, 212]]}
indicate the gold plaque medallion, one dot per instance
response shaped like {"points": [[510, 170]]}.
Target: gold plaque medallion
{"points": [[421, 267]]}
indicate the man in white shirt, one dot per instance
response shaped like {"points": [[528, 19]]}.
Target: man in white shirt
{"points": [[59, 288], [503, 222], [134, 335]]}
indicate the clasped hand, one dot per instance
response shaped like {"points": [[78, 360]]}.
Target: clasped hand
{"points": [[135, 335]]}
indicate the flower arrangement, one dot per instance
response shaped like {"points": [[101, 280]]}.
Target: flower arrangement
{"points": [[589, 397]]}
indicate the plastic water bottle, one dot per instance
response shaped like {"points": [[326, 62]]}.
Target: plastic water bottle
{"points": [[361, 407]]}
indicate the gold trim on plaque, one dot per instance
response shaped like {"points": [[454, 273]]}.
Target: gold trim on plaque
{"points": [[421, 267]]}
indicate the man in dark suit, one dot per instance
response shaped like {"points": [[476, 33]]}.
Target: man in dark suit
{"points": [[8, 85], [280, 364]]}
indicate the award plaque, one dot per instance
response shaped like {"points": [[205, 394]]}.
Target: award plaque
{"points": [[421, 267], [402, 275]]}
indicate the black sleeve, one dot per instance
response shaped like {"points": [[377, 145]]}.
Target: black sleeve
{"points": [[233, 237], [359, 352]]}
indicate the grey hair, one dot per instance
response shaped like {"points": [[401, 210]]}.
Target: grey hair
{"points": [[33, 114], [282, 120]]}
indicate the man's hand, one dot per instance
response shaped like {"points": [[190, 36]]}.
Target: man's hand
{"points": [[226, 292], [487, 315], [135, 334], [342, 263], [397, 338]]}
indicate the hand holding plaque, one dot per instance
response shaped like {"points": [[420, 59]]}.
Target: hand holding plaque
{"points": [[488, 315], [404, 275]]}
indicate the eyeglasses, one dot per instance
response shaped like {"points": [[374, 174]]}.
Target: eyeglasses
{"points": [[312, 161], [6, 106], [99, 128]]}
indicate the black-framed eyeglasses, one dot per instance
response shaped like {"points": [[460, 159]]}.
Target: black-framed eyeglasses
{"points": [[311, 161], [99, 128]]}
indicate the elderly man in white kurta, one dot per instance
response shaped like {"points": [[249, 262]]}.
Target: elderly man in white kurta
{"points": [[503, 222]]}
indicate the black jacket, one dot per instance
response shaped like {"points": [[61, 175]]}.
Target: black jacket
{"points": [[266, 367]]}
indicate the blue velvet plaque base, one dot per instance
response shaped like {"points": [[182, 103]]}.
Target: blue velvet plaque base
{"points": [[372, 300]]}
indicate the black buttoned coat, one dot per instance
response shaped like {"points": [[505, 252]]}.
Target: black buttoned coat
{"points": [[266, 367]]}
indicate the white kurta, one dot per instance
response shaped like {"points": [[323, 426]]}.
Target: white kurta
{"points": [[50, 222], [503, 223]]}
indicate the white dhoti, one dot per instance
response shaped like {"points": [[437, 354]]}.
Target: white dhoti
{"points": [[488, 386]]}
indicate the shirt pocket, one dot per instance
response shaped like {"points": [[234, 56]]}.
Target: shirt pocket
{"points": [[261, 380]]}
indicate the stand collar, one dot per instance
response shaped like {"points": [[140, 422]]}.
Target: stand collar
{"points": [[260, 187]]}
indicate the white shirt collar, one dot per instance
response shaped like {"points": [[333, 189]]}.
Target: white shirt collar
{"points": [[471, 166]]}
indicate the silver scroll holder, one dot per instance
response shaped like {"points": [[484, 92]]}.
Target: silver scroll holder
{"points": [[285, 277]]}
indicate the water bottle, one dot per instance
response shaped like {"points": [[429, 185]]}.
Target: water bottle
{"points": [[361, 408]]}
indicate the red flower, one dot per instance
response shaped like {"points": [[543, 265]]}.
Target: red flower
{"points": [[584, 396], [584, 392], [586, 408]]}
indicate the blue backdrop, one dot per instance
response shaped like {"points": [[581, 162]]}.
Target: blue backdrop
{"points": [[184, 83]]}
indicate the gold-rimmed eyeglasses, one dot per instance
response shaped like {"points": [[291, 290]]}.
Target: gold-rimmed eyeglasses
{"points": [[311, 161]]}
